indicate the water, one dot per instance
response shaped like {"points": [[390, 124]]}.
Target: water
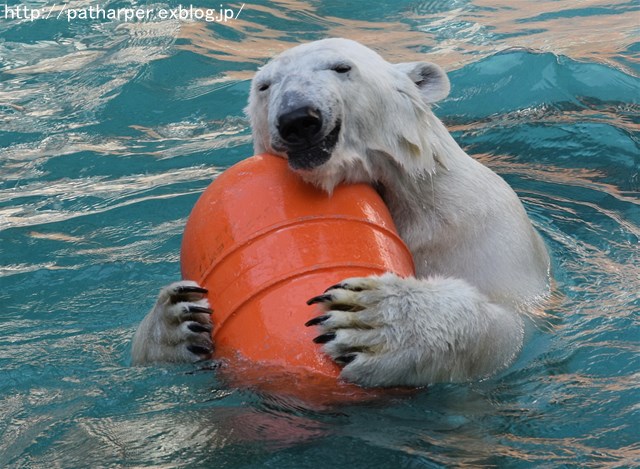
{"points": [[110, 130]]}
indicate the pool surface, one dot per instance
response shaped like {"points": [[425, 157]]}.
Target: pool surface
{"points": [[109, 131]]}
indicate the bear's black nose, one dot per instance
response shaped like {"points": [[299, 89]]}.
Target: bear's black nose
{"points": [[301, 126]]}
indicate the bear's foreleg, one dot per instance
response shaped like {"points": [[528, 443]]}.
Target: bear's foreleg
{"points": [[390, 331]]}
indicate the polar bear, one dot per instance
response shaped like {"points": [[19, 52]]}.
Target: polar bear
{"points": [[340, 113]]}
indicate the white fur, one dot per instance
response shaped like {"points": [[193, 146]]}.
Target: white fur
{"points": [[480, 264]]}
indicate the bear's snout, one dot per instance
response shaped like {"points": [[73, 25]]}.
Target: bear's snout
{"points": [[300, 127], [304, 136]]}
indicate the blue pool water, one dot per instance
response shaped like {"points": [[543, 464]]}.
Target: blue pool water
{"points": [[109, 131]]}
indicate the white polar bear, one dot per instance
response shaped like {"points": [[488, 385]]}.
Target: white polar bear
{"points": [[340, 113]]}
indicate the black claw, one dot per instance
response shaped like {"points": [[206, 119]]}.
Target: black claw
{"points": [[199, 349], [349, 308], [344, 286], [199, 309], [317, 320], [191, 289], [337, 285], [346, 359], [319, 299], [187, 293], [197, 327], [324, 338]]}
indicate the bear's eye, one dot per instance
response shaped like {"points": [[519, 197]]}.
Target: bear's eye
{"points": [[263, 86], [341, 68]]}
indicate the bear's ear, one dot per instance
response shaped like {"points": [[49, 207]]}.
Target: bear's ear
{"points": [[428, 77]]}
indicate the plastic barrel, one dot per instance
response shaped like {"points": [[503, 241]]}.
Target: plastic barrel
{"points": [[263, 242]]}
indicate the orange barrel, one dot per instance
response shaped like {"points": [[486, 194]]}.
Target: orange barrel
{"points": [[263, 242]]}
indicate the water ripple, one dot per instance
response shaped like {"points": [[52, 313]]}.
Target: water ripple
{"points": [[102, 124]]}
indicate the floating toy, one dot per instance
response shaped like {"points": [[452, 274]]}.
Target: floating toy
{"points": [[263, 241]]}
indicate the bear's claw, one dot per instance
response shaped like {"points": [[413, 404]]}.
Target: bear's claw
{"points": [[317, 320], [345, 286], [191, 289], [338, 301], [324, 338], [319, 299], [197, 327], [181, 293], [195, 309], [345, 359], [200, 350]]}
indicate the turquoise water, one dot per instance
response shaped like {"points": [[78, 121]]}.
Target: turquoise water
{"points": [[110, 130]]}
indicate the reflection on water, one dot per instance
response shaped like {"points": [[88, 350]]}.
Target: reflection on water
{"points": [[109, 131]]}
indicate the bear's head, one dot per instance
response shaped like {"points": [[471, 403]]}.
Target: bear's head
{"points": [[340, 112]]}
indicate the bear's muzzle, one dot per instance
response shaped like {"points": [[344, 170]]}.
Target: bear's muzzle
{"points": [[304, 137]]}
